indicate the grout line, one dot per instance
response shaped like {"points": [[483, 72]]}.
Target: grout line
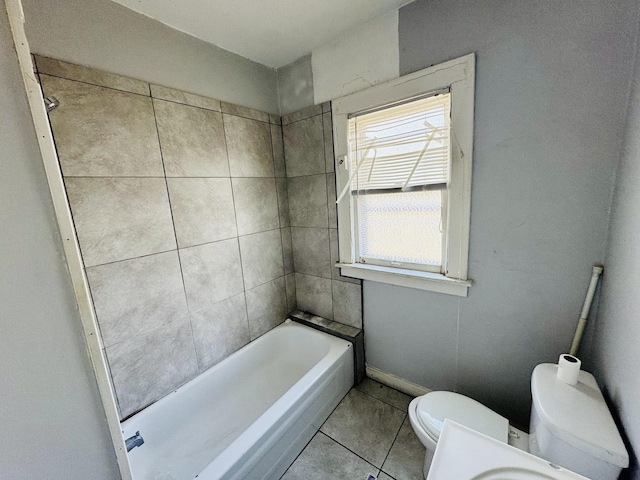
{"points": [[133, 258], [273, 159], [175, 234], [117, 176], [394, 441], [302, 119], [267, 121], [317, 276], [188, 104], [150, 95], [313, 228], [284, 153], [235, 214], [301, 452], [103, 86], [330, 437], [280, 227], [85, 268], [379, 399], [268, 281], [344, 446], [308, 175]]}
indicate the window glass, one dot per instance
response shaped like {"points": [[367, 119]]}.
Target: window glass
{"points": [[400, 167], [401, 227]]}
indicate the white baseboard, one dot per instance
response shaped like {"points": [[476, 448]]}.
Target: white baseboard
{"points": [[405, 386]]}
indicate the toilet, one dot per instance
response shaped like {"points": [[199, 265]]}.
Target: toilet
{"points": [[571, 426]]}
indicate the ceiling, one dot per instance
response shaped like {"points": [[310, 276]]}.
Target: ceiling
{"points": [[270, 32]]}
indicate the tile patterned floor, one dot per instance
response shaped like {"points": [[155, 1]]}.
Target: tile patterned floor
{"points": [[367, 434]]}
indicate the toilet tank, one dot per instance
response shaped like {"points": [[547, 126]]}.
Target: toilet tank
{"points": [[571, 425]]}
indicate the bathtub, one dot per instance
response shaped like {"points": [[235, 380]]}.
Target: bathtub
{"points": [[250, 415]]}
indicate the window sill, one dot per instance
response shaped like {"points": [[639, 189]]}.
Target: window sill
{"points": [[432, 282]]}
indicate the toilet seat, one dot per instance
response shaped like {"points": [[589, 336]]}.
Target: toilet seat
{"points": [[434, 407]]}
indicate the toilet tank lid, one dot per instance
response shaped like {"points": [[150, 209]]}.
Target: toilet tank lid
{"points": [[577, 414], [434, 407]]}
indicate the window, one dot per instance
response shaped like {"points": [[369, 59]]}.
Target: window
{"points": [[404, 151]]}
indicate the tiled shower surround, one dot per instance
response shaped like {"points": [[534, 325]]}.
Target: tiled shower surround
{"points": [[188, 235], [178, 202], [320, 289]]}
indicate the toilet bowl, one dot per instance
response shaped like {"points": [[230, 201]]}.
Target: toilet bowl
{"points": [[571, 425], [428, 412]]}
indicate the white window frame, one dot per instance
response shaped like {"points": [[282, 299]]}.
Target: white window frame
{"points": [[458, 76]]}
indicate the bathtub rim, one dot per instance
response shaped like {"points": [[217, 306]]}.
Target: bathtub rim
{"points": [[268, 420], [124, 423]]}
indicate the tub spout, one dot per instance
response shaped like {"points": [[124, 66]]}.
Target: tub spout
{"points": [[133, 442]]}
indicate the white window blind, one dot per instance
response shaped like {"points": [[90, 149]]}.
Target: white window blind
{"points": [[402, 147]]}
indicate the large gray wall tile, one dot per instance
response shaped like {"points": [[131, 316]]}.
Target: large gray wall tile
{"points": [[134, 296], [327, 128], [256, 202], [249, 146], [287, 250], [202, 210], [245, 112], [261, 255], [308, 201], [283, 201], [119, 218], [331, 201], [211, 272], [311, 254], [278, 151], [192, 140], [307, 112], [160, 326], [178, 96], [147, 367], [347, 303], [220, 330], [58, 68], [313, 294], [102, 132], [290, 282], [304, 147], [308, 141], [266, 307]]}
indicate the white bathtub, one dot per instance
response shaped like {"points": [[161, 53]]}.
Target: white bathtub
{"points": [[250, 415]]}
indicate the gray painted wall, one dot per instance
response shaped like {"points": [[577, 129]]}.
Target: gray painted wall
{"points": [[108, 36], [617, 330], [53, 424], [551, 88], [295, 85]]}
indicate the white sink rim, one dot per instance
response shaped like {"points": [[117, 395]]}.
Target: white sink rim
{"points": [[488, 459]]}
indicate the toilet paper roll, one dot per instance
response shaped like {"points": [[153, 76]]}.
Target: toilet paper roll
{"points": [[568, 369]]}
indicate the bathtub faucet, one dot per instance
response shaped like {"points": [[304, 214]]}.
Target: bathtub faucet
{"points": [[133, 442]]}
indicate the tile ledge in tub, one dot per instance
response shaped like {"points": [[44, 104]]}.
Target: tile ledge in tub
{"points": [[346, 332]]}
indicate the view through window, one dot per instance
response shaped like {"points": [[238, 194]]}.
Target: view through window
{"points": [[400, 160]]}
